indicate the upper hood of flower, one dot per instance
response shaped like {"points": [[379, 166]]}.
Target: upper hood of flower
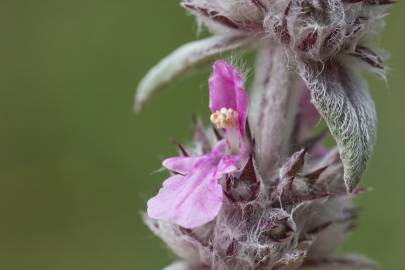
{"points": [[226, 90]]}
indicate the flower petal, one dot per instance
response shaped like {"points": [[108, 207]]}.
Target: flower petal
{"points": [[189, 201], [187, 59], [343, 100], [226, 89], [308, 117], [319, 151], [227, 165], [219, 148], [308, 114], [182, 165]]}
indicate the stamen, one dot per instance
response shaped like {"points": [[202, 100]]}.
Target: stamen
{"points": [[225, 118]]}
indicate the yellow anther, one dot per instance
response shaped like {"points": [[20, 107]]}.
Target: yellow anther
{"points": [[225, 118]]}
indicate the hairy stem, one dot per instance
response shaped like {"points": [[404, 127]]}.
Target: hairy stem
{"points": [[275, 103]]}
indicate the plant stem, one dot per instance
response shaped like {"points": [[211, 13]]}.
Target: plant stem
{"points": [[275, 102]]}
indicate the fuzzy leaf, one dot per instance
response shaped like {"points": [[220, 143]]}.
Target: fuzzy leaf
{"points": [[293, 260], [343, 100], [184, 266], [348, 262], [187, 59], [232, 15]]}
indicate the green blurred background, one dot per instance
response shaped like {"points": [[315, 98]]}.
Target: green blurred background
{"points": [[76, 164]]}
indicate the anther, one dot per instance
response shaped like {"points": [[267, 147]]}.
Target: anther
{"points": [[225, 118]]}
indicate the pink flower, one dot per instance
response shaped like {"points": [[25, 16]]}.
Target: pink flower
{"points": [[308, 117], [193, 195], [227, 91]]}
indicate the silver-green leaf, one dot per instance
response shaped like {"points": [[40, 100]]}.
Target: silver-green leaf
{"points": [[342, 98], [349, 262], [184, 266], [187, 59]]}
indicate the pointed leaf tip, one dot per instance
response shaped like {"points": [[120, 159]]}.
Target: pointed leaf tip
{"points": [[189, 58], [346, 262], [138, 107], [185, 266], [343, 100]]}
